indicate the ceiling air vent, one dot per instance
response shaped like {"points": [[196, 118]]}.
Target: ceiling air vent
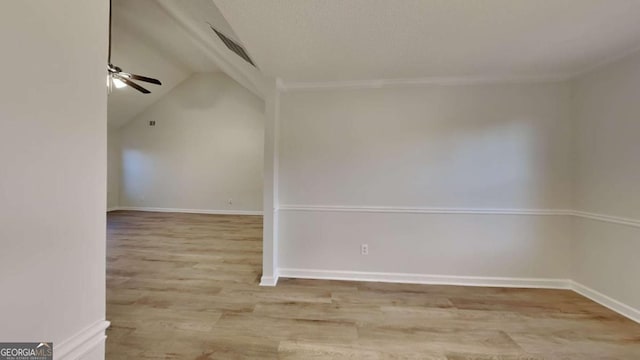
{"points": [[233, 46]]}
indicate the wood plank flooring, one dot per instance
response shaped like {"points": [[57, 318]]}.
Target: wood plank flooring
{"points": [[185, 286]]}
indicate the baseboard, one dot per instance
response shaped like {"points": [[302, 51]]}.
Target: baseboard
{"points": [[113, 208], [269, 281], [81, 343], [542, 283], [192, 211], [426, 279], [604, 300]]}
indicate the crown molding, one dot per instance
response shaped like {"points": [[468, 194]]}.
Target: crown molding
{"points": [[285, 86], [426, 81], [607, 61]]}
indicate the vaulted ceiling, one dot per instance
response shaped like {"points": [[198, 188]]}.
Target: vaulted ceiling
{"points": [[146, 41], [311, 41], [338, 40], [169, 40]]}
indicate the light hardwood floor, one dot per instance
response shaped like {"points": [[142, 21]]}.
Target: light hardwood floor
{"points": [[185, 286]]}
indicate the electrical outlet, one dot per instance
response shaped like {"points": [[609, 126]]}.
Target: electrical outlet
{"points": [[364, 249]]}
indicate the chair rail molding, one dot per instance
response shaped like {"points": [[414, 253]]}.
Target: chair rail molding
{"points": [[470, 211]]}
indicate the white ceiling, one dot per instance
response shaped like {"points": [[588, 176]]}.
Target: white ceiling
{"points": [[146, 40], [338, 40]]}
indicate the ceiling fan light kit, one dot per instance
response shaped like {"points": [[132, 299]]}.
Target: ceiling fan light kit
{"points": [[118, 78], [118, 83]]}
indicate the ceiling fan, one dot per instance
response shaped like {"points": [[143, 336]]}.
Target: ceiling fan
{"points": [[118, 78]]}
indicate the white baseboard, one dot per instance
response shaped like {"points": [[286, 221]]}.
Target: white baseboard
{"points": [[191, 211], [604, 300], [426, 279], [113, 208], [81, 343], [543, 283], [269, 281]]}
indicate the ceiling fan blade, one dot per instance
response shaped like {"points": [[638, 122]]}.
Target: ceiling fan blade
{"points": [[131, 83], [142, 78]]}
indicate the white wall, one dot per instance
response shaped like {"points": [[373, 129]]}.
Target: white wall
{"points": [[474, 148], [113, 167], [607, 180], [52, 187], [206, 148]]}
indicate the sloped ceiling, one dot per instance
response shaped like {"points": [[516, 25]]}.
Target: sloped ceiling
{"points": [[196, 17], [338, 40], [146, 41], [170, 40], [149, 39]]}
